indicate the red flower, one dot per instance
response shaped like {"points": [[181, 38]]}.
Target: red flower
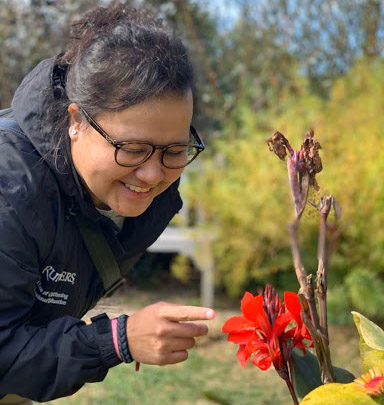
{"points": [[300, 332], [261, 330]]}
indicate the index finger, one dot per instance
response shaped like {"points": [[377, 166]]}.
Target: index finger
{"points": [[178, 313]]}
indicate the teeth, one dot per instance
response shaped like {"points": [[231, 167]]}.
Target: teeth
{"points": [[137, 189]]}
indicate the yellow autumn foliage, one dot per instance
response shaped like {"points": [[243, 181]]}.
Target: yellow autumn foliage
{"points": [[243, 190]]}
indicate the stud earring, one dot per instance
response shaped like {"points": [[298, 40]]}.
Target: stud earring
{"points": [[73, 132]]}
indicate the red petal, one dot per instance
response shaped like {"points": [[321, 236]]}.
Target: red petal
{"points": [[246, 298], [243, 355], [292, 304], [236, 324], [282, 321], [254, 311], [290, 333], [257, 345], [252, 307], [305, 333], [242, 337], [262, 360]]}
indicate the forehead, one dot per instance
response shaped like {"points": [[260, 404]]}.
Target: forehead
{"points": [[158, 120]]}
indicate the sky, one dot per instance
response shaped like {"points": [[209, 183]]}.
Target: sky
{"points": [[226, 10]]}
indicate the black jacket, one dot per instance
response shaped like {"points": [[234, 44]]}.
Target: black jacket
{"points": [[47, 279]]}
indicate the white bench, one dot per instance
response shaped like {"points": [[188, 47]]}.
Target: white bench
{"points": [[195, 244]]}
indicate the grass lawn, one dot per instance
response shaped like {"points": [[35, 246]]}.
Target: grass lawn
{"points": [[211, 375]]}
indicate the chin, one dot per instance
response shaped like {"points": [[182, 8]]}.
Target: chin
{"points": [[131, 212]]}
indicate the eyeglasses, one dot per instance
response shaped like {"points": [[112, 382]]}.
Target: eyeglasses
{"points": [[134, 153]]}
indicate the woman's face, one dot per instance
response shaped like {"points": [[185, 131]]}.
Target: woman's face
{"points": [[129, 190]]}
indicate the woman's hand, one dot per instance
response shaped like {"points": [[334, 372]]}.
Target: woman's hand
{"points": [[160, 334]]}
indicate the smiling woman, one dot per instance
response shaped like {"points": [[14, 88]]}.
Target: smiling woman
{"points": [[91, 154], [129, 191]]}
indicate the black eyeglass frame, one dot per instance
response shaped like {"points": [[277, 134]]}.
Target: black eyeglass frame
{"points": [[119, 144]]}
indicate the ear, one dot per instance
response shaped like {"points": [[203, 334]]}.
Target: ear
{"points": [[75, 121]]}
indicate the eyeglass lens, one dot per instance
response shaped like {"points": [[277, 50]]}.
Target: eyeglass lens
{"points": [[173, 156]]}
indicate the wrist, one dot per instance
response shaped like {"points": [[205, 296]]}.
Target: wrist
{"points": [[102, 336], [122, 339], [114, 337]]}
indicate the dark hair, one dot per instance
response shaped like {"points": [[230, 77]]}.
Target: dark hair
{"points": [[118, 57]]}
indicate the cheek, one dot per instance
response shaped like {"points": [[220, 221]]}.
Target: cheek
{"points": [[95, 171], [101, 164], [98, 170], [171, 176]]}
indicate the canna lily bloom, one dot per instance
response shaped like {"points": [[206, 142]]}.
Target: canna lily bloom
{"points": [[261, 330], [372, 383]]}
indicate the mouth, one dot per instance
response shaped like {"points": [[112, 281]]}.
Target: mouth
{"points": [[137, 189], [141, 193]]}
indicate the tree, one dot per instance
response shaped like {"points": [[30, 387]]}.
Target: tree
{"points": [[30, 31], [245, 196]]}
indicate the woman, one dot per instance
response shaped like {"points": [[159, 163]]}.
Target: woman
{"points": [[92, 148]]}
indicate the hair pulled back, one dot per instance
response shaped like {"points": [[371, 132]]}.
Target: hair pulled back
{"points": [[117, 57], [120, 56]]}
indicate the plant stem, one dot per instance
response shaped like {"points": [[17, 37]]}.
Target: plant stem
{"points": [[306, 288], [294, 185], [292, 391], [321, 277], [301, 274], [327, 374], [322, 350], [300, 164], [307, 299], [322, 270]]}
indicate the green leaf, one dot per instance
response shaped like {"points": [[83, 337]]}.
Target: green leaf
{"points": [[343, 376], [370, 357], [372, 334], [307, 373]]}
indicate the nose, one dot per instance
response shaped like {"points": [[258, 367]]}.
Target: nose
{"points": [[152, 171]]}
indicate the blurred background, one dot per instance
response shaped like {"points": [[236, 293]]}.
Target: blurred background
{"points": [[261, 66]]}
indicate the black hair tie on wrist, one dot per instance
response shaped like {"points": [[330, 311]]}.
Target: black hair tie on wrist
{"points": [[122, 340]]}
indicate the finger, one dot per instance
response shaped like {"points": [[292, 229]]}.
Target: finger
{"points": [[180, 344], [176, 357], [186, 313], [185, 330]]}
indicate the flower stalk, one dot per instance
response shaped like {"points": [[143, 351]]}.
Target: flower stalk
{"points": [[302, 167], [322, 270], [292, 391]]}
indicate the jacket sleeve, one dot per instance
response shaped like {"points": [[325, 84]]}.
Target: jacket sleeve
{"points": [[42, 362]]}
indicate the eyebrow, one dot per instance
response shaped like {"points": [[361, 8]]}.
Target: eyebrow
{"points": [[95, 125], [133, 140]]}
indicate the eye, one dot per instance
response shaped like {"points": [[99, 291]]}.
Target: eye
{"points": [[134, 152], [135, 149], [178, 150]]}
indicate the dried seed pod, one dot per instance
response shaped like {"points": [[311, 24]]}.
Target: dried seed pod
{"points": [[309, 155], [278, 144]]}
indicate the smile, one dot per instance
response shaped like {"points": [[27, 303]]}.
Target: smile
{"points": [[137, 189]]}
